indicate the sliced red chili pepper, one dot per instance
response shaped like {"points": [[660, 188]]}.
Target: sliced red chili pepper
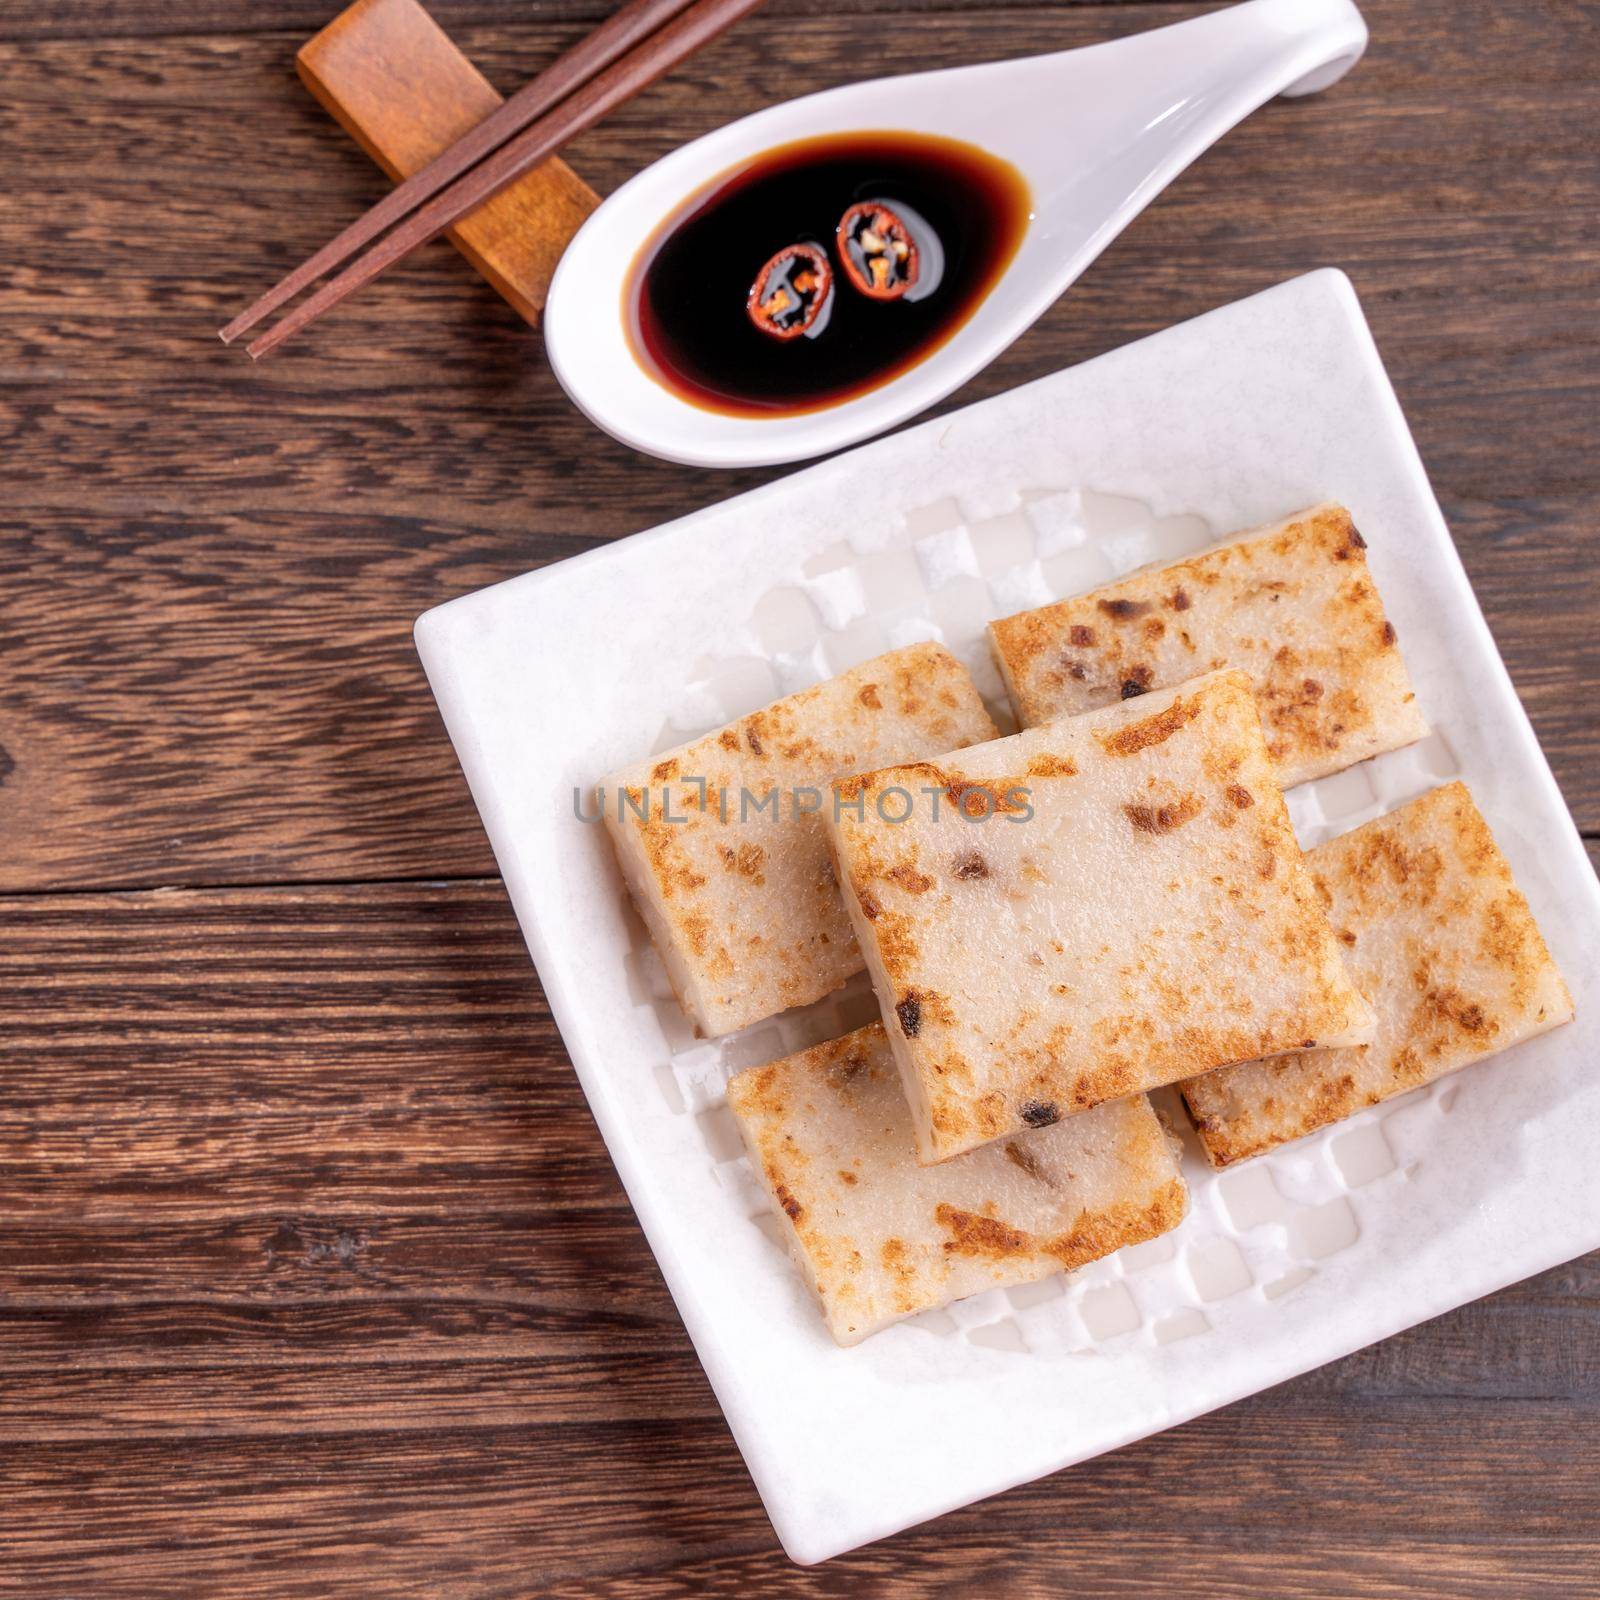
{"points": [[877, 250], [791, 293]]}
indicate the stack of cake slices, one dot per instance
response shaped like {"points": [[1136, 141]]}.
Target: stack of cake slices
{"points": [[1057, 922]]}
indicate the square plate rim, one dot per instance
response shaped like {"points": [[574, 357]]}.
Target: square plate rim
{"points": [[435, 633]]}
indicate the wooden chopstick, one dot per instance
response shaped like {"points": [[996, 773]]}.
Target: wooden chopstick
{"points": [[625, 77], [620, 32]]}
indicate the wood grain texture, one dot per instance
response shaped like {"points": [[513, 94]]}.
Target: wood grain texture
{"points": [[278, 527], [67, 19], [315, 1278]]}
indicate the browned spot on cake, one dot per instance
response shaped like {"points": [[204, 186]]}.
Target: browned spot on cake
{"points": [[1046, 765], [868, 696], [1388, 634], [981, 800], [1137, 682], [1180, 600], [909, 879], [747, 860], [1240, 796], [971, 865], [1327, 1100], [919, 1007], [753, 739], [786, 1199], [728, 739], [1383, 852], [849, 787], [1124, 610], [850, 1065], [991, 1114], [972, 1235], [1164, 818], [1137, 736], [1408, 1067], [847, 1177], [667, 866], [868, 902], [909, 1011], [1039, 1113], [933, 776], [1020, 1157], [801, 750], [1081, 636], [1077, 672], [1097, 1233], [1108, 1081], [896, 937], [1450, 1009]]}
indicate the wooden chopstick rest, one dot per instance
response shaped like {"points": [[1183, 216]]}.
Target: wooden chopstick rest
{"points": [[397, 83]]}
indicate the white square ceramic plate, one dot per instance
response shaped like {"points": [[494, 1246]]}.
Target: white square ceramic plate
{"points": [[550, 681]]}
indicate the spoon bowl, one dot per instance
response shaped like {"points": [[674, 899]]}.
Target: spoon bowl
{"points": [[1096, 132]]}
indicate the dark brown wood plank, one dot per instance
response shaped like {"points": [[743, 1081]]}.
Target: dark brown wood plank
{"points": [[211, 568], [661, 1507], [382, 1049], [183, 1352], [316, 1280], [283, 731], [67, 19]]}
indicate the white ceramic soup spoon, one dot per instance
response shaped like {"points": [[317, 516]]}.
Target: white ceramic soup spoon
{"points": [[1097, 132]]}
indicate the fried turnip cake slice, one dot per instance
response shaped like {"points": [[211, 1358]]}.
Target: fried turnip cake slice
{"points": [[1083, 910], [1293, 605], [721, 840], [1439, 938], [878, 1236]]}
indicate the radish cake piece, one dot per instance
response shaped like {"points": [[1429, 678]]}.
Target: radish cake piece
{"points": [[1293, 605], [1085, 910], [879, 1236], [1439, 938], [721, 840]]}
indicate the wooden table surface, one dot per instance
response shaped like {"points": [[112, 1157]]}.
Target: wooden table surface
{"points": [[315, 1278]]}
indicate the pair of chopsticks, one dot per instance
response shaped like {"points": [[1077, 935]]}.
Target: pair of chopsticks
{"points": [[626, 53]]}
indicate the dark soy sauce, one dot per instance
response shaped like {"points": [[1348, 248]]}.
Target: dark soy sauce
{"points": [[685, 301]]}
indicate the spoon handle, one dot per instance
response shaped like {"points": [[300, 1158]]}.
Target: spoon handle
{"points": [[1111, 125]]}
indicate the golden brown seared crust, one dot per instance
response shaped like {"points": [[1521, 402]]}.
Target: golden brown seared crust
{"points": [[879, 1237], [740, 896], [1091, 1235], [1294, 605], [1149, 910], [1439, 937], [1133, 737]]}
